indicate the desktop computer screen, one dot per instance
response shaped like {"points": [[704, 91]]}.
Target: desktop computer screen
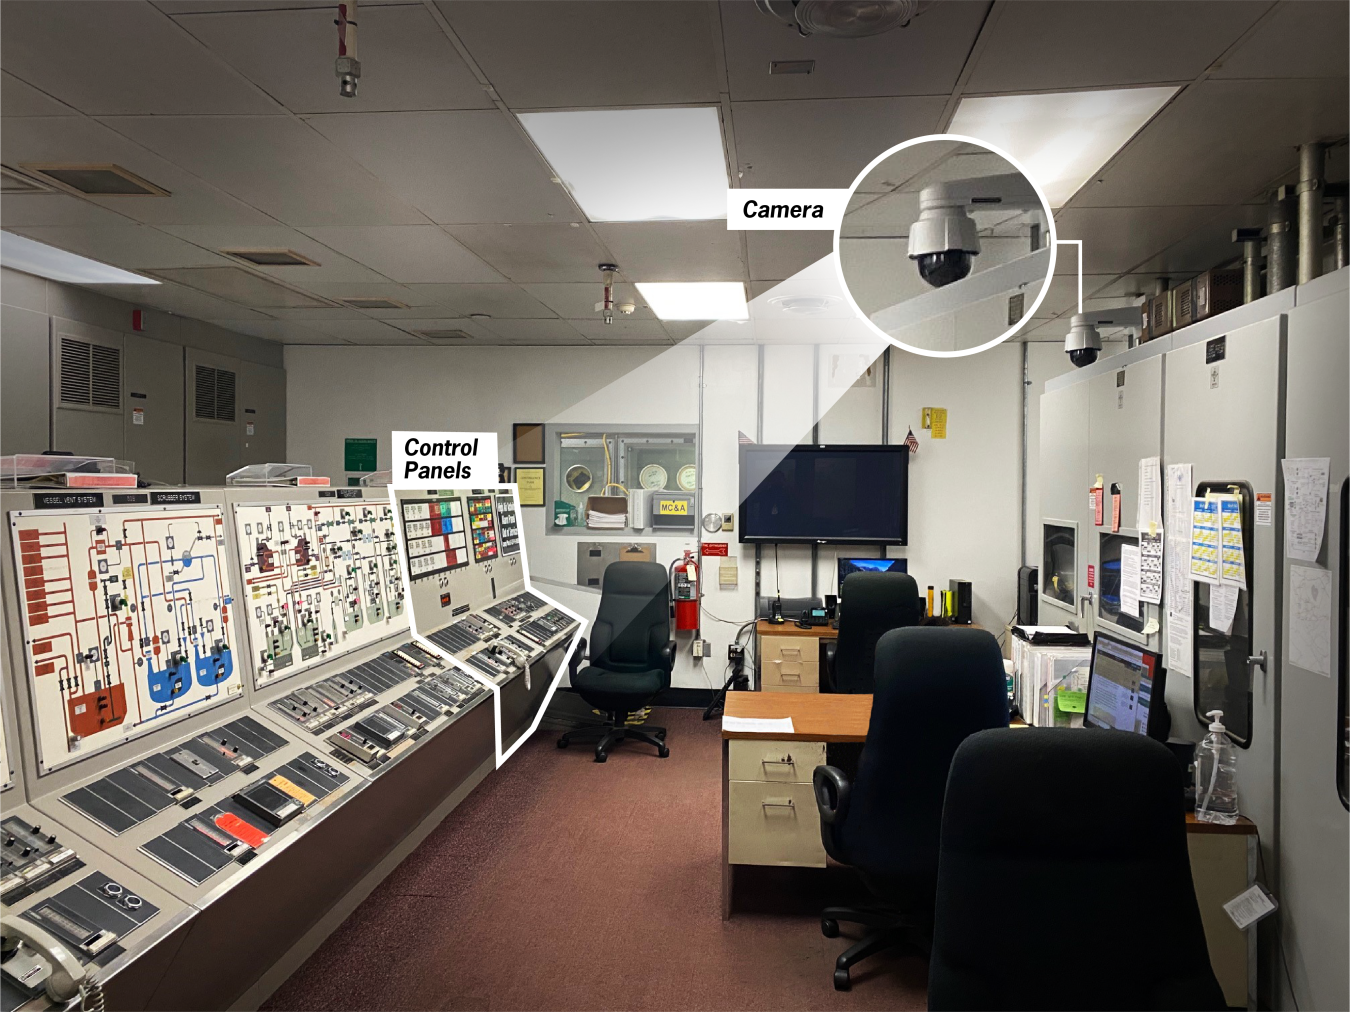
{"points": [[847, 566], [1125, 687]]}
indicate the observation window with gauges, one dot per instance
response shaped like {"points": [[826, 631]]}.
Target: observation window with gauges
{"points": [[1109, 595], [1059, 561], [584, 463], [1223, 678]]}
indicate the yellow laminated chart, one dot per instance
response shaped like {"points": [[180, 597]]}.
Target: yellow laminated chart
{"points": [[1232, 559], [1205, 539]]}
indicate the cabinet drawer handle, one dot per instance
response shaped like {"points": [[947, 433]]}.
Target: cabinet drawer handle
{"points": [[791, 652], [786, 803], [785, 761], [790, 674]]}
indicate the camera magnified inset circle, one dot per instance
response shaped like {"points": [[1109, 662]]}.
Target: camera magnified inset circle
{"points": [[946, 246]]}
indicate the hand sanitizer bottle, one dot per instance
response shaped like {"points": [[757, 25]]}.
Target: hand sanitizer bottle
{"points": [[1216, 775]]}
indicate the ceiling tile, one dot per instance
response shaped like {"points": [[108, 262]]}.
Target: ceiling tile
{"points": [[216, 6], [1094, 45], [180, 301], [134, 247], [591, 54], [18, 98], [540, 331], [622, 331], [80, 140], [505, 302], [113, 58], [1220, 142], [363, 290], [406, 60], [1304, 39], [277, 164], [824, 143], [453, 166], [1115, 239], [406, 253], [674, 250], [783, 254], [284, 331], [577, 301], [362, 331], [535, 252], [332, 266], [54, 208], [446, 322], [923, 58]]}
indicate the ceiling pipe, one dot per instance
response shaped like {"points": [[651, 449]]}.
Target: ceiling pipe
{"points": [[1251, 262], [1339, 233], [1311, 158], [1280, 241]]}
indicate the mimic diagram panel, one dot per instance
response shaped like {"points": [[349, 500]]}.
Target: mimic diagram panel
{"points": [[435, 533], [126, 623], [320, 579], [482, 528]]}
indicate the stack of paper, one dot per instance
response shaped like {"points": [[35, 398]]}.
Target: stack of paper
{"points": [[607, 512]]}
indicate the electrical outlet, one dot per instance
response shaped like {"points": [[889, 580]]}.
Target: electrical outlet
{"points": [[736, 654], [698, 648]]}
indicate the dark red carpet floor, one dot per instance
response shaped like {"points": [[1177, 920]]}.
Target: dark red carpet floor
{"points": [[564, 884]]}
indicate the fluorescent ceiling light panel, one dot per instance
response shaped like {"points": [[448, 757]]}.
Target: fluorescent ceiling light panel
{"points": [[637, 164], [1061, 139], [696, 300], [33, 257]]}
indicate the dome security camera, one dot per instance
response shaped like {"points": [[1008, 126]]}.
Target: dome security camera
{"points": [[944, 239], [1083, 343]]}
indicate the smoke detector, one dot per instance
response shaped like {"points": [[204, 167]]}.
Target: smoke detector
{"points": [[844, 19]]}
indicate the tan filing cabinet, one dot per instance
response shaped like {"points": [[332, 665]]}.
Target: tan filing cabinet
{"points": [[789, 664], [771, 808]]}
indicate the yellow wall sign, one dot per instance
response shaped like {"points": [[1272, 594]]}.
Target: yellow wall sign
{"points": [[935, 420], [673, 507]]}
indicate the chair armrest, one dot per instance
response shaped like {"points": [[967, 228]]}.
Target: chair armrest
{"points": [[668, 655], [578, 655], [832, 793], [832, 797], [831, 649]]}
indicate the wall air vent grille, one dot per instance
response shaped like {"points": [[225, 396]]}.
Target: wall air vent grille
{"points": [[90, 374], [272, 257], [214, 394]]}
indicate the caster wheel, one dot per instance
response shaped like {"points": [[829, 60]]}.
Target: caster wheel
{"points": [[600, 757], [661, 735], [829, 928], [841, 981], [663, 752], [563, 743]]}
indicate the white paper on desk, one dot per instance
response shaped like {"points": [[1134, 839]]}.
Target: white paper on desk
{"points": [[1223, 599], [1151, 567], [1149, 508], [1305, 505], [758, 725], [1310, 618], [1129, 580]]}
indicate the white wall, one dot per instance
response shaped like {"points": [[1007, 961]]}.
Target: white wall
{"points": [[963, 492]]}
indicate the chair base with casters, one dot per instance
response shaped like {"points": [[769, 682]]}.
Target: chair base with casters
{"points": [[615, 730], [887, 929]]}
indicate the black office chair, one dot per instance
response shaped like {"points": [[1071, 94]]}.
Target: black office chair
{"points": [[934, 688], [631, 655], [1067, 842], [870, 604]]}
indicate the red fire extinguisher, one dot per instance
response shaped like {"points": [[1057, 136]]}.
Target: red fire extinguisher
{"points": [[685, 591]]}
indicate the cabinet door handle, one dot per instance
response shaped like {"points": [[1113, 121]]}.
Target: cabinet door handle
{"points": [[785, 803]]}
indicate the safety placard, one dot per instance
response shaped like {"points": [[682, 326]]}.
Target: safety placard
{"points": [[673, 507]]}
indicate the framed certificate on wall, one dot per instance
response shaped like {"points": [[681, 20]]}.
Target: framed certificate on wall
{"points": [[527, 442]]}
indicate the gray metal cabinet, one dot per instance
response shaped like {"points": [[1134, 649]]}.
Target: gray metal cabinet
{"points": [[153, 408], [1126, 412], [1314, 887], [1064, 488], [262, 399], [87, 391], [213, 431]]}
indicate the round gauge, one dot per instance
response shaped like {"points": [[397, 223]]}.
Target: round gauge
{"points": [[653, 476], [578, 478], [712, 522], [687, 478]]}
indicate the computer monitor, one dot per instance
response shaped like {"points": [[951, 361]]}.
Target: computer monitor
{"points": [[847, 566], [1125, 688]]}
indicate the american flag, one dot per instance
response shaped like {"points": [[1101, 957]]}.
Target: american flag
{"points": [[912, 442], [741, 437]]}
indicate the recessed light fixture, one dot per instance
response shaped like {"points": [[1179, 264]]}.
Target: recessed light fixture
{"points": [[33, 257], [105, 180], [1062, 138], [695, 300], [271, 257], [804, 305], [17, 182], [443, 335], [373, 303], [637, 164]]}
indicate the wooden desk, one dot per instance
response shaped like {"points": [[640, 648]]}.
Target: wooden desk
{"points": [[769, 817]]}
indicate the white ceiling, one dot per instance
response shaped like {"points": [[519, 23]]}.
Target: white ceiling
{"points": [[425, 190]]}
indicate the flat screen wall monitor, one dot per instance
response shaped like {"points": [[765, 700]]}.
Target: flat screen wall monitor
{"points": [[827, 494], [1125, 688]]}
